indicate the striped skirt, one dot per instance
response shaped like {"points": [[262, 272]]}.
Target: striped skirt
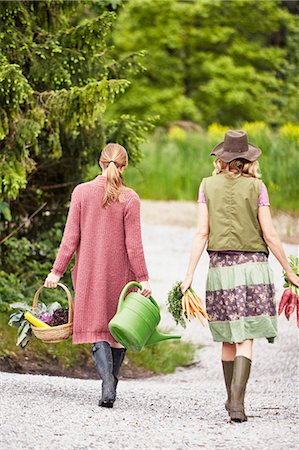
{"points": [[240, 297]]}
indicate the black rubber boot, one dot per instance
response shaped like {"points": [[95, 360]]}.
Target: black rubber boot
{"points": [[102, 355], [118, 358], [241, 373], [228, 369]]}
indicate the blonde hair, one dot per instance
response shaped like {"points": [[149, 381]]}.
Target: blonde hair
{"points": [[237, 168], [113, 158]]}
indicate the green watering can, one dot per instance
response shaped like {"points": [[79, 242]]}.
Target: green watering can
{"points": [[134, 324]]}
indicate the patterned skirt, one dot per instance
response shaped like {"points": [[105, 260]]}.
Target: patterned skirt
{"points": [[240, 297]]}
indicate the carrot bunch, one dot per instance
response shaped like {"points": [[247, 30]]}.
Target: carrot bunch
{"points": [[192, 306], [184, 306], [290, 296]]}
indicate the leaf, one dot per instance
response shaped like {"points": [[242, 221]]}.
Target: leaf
{"points": [[22, 305], [53, 306], [174, 302], [294, 264], [15, 318], [22, 325], [26, 339], [23, 334], [42, 307], [5, 210]]}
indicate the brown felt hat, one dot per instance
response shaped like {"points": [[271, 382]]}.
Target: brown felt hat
{"points": [[236, 145]]}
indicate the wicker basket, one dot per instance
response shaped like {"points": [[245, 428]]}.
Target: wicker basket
{"points": [[57, 333]]}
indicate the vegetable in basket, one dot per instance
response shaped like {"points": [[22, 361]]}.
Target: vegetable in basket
{"points": [[35, 321], [45, 317]]}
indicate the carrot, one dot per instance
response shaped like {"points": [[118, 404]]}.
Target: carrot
{"points": [[191, 308], [205, 314], [183, 304], [198, 313], [201, 306], [193, 303], [284, 300], [193, 298], [197, 302], [197, 299], [200, 319], [187, 307]]}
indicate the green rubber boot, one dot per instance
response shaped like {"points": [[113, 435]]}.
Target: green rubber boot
{"points": [[241, 373], [228, 369]]}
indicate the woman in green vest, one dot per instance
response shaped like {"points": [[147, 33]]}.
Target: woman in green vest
{"points": [[234, 218]]}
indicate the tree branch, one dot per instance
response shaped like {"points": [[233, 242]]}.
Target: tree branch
{"points": [[21, 226]]}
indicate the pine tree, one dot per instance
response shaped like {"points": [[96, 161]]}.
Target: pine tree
{"points": [[57, 77]]}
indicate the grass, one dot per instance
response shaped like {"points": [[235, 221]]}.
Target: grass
{"points": [[68, 359], [164, 357], [175, 163]]}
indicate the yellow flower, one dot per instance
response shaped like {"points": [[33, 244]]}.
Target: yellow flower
{"points": [[215, 130], [256, 131], [290, 131], [177, 133], [255, 127]]}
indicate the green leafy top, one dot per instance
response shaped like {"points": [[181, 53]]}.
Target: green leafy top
{"points": [[294, 263], [174, 302]]}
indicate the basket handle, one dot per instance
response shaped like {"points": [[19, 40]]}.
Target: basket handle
{"points": [[69, 297]]}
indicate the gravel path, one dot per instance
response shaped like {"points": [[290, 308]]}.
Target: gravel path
{"points": [[179, 411]]}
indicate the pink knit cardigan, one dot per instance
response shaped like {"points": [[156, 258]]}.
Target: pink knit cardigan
{"points": [[109, 253]]}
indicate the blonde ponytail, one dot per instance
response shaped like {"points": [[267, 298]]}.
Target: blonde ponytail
{"points": [[113, 158]]}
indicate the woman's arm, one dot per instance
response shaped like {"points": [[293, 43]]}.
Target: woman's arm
{"points": [[272, 240], [134, 244], [199, 243], [69, 243]]}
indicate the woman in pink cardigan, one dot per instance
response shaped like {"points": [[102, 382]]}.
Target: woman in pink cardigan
{"points": [[103, 230]]}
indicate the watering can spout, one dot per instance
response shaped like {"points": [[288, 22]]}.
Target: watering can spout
{"points": [[158, 337]]}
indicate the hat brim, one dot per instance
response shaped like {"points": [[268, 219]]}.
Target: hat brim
{"points": [[251, 154]]}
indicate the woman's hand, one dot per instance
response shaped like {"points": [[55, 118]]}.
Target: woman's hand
{"points": [[292, 278], [52, 280], [146, 289], [186, 283]]}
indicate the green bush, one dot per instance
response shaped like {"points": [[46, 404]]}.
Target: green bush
{"points": [[25, 265]]}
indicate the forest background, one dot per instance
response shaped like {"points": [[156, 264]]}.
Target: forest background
{"points": [[164, 78]]}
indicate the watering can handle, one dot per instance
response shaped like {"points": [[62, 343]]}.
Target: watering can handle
{"points": [[126, 288]]}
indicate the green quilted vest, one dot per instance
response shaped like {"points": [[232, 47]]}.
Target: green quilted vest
{"points": [[233, 206]]}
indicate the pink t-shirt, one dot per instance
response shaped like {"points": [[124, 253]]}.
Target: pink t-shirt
{"points": [[262, 201]]}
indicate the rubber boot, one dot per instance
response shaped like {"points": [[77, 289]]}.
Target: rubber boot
{"points": [[102, 355], [118, 358], [228, 369], [238, 387]]}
